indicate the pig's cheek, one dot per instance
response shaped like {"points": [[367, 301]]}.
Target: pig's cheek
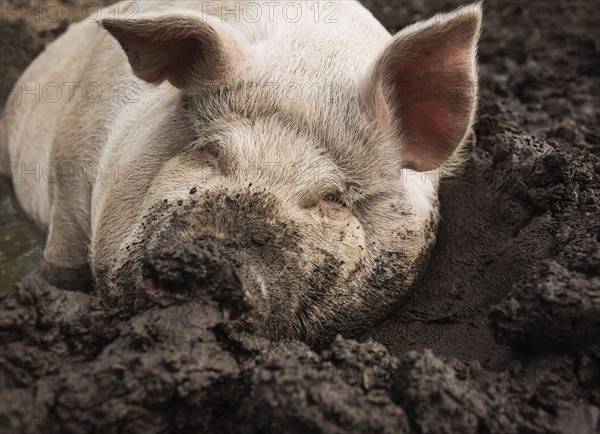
{"points": [[347, 238]]}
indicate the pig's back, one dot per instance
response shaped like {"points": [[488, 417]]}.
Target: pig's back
{"points": [[60, 139], [32, 114]]}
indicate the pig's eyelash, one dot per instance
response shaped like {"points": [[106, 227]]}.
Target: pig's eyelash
{"points": [[336, 197]]}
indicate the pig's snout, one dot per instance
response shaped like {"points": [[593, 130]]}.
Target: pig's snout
{"points": [[199, 270]]}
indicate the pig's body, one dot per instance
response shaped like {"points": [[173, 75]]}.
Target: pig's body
{"points": [[289, 94]]}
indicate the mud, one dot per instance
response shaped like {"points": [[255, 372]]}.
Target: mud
{"points": [[500, 336]]}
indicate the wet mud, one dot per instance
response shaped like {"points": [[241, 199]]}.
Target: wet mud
{"points": [[501, 335]]}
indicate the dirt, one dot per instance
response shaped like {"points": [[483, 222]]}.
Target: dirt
{"points": [[502, 335]]}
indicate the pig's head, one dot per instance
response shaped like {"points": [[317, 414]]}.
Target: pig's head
{"points": [[309, 215]]}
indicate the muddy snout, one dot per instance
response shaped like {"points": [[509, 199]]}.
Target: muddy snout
{"points": [[198, 270]]}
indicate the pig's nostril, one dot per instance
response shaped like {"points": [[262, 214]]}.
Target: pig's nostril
{"points": [[154, 289], [234, 305], [231, 310]]}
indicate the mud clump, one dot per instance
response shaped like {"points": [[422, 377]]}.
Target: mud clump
{"points": [[500, 336], [69, 365], [554, 307]]}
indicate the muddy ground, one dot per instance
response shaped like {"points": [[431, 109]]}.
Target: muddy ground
{"points": [[502, 335]]}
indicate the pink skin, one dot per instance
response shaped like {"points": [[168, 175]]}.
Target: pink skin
{"points": [[327, 206]]}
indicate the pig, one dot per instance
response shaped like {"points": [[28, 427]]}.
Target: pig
{"points": [[288, 154]]}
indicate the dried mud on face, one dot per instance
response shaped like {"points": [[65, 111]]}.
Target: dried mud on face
{"points": [[502, 335]]}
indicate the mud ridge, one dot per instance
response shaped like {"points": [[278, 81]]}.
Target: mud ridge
{"points": [[501, 335]]}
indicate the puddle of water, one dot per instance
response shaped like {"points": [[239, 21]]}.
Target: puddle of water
{"points": [[21, 244]]}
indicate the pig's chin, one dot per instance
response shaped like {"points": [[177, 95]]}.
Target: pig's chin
{"points": [[261, 297], [274, 300]]}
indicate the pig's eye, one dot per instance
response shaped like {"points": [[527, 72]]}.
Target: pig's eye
{"points": [[333, 200], [329, 202]]}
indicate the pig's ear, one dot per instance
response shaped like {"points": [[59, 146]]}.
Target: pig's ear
{"points": [[182, 47], [423, 86]]}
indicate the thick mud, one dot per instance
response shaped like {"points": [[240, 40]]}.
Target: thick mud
{"points": [[502, 335]]}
